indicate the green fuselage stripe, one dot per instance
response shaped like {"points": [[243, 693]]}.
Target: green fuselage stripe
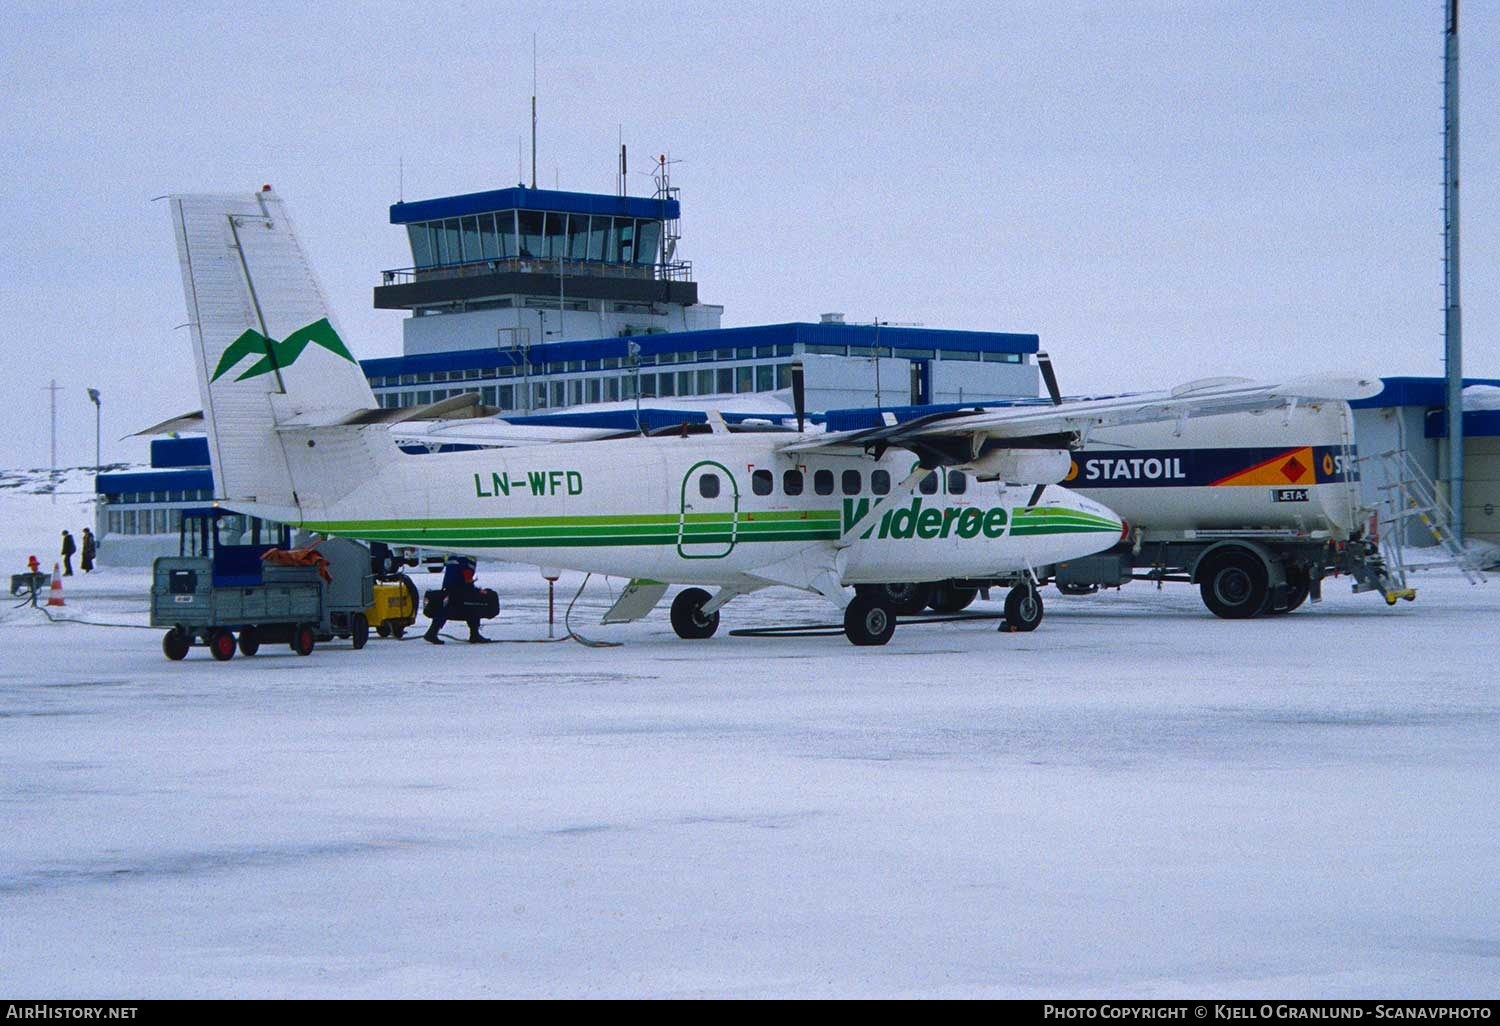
{"points": [[660, 528]]}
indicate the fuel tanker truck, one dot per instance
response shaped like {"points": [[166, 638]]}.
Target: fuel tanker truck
{"points": [[1256, 509]]}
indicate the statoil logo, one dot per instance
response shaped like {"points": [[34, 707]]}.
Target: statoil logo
{"points": [[920, 521], [1132, 468]]}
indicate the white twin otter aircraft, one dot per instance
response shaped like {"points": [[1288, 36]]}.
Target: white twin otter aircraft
{"points": [[295, 436]]}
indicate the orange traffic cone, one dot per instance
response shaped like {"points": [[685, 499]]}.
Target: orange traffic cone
{"points": [[56, 599]]}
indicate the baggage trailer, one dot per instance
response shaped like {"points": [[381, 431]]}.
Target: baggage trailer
{"points": [[1256, 509], [221, 593]]}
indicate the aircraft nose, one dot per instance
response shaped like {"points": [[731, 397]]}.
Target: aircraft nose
{"points": [[1099, 516]]}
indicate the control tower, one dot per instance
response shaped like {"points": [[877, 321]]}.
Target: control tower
{"points": [[523, 267]]}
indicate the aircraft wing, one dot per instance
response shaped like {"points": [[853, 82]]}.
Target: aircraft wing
{"points": [[488, 432], [977, 439]]}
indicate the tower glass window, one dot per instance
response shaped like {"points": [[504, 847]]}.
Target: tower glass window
{"points": [[490, 239], [421, 244], [626, 227], [531, 233], [578, 237], [648, 239], [472, 250]]}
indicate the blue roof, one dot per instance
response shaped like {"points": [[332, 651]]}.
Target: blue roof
{"points": [[1477, 424], [713, 338], [1414, 392], [522, 198], [155, 481], [179, 452]]}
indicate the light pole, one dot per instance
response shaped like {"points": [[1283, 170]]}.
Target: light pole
{"points": [[94, 396]]}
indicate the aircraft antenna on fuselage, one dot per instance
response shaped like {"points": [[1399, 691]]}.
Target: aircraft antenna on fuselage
{"points": [[799, 393]]}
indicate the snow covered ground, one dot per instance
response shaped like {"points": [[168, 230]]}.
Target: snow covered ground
{"points": [[1137, 799]]}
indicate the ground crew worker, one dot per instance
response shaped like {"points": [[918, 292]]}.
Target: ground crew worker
{"points": [[458, 588], [68, 548]]}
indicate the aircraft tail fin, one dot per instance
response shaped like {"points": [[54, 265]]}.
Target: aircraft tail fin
{"points": [[267, 351]]}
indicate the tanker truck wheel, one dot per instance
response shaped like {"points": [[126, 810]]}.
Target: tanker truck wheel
{"points": [[1298, 586], [1234, 585]]}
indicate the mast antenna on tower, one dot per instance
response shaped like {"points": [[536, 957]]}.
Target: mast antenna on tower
{"points": [[533, 110]]}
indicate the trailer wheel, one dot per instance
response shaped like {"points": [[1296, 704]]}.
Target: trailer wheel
{"points": [[1235, 585], [249, 641], [1023, 608], [397, 631], [361, 631], [948, 597], [221, 644], [688, 619], [303, 639], [383, 629], [175, 644], [903, 599], [869, 620]]}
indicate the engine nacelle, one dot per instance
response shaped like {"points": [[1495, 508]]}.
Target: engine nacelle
{"points": [[1022, 466]]}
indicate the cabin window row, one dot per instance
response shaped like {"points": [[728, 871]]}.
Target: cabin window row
{"points": [[825, 482]]}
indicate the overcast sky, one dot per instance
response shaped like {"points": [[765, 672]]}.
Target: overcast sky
{"points": [[1161, 191]]}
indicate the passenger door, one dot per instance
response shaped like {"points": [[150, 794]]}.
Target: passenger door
{"points": [[709, 512]]}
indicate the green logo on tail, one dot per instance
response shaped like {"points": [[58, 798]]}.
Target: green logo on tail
{"points": [[275, 355]]}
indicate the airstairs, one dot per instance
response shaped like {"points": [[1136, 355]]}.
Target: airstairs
{"points": [[1410, 507]]}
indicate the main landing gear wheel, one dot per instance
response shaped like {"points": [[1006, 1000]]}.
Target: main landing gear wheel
{"points": [[869, 621], [688, 618], [221, 644], [950, 598], [175, 644], [1023, 608], [249, 641], [903, 599], [1235, 585]]}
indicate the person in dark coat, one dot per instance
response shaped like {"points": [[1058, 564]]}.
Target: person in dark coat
{"points": [[68, 548], [87, 552], [458, 586]]}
